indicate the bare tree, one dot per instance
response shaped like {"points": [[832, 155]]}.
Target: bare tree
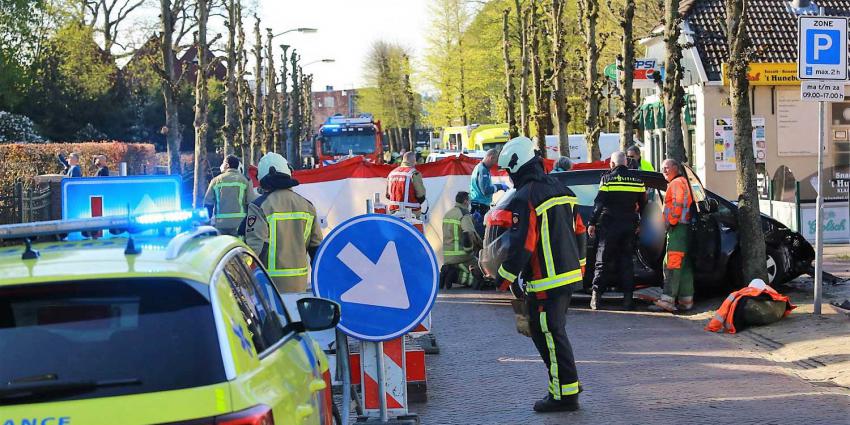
{"points": [[283, 106], [201, 103], [295, 109], [257, 115], [558, 35], [412, 113], [541, 95], [108, 16], [510, 91], [270, 136], [234, 12], [169, 79], [524, 115], [673, 93], [751, 235], [627, 63], [307, 106], [589, 18], [243, 93]]}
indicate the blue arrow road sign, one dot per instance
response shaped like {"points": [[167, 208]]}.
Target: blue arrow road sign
{"points": [[382, 272]]}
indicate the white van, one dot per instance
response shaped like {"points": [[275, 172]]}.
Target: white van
{"points": [[608, 144]]}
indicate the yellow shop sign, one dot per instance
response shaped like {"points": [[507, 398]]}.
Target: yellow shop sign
{"points": [[769, 74]]}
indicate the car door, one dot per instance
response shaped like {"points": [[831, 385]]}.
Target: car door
{"points": [[272, 368], [708, 231]]}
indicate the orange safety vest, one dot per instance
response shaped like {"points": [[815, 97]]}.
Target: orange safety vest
{"points": [[722, 320], [402, 194], [677, 202]]}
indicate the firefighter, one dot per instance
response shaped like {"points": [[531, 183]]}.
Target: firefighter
{"points": [[678, 273], [405, 189], [281, 226], [544, 254], [616, 214], [228, 196], [460, 240]]}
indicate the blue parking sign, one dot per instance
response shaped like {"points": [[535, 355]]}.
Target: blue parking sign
{"points": [[822, 48]]}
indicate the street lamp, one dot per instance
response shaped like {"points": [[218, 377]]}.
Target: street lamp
{"points": [[301, 30], [327, 60]]}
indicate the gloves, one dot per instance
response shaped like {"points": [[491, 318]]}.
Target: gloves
{"points": [[501, 186]]}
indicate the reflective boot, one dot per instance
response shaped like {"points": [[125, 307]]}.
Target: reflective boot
{"points": [[549, 404]]}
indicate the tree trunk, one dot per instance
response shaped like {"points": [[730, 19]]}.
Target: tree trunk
{"points": [[201, 104], [243, 93], [270, 137], [510, 91], [169, 82], [524, 71], [464, 113], [283, 106], [307, 108], [295, 106], [257, 115], [591, 77], [540, 100], [234, 7], [673, 93], [627, 77], [750, 235], [559, 64], [411, 104]]}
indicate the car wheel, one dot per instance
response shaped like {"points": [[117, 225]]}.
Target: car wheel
{"points": [[776, 269]]}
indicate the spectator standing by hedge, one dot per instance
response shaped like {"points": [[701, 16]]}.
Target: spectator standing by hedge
{"points": [[100, 163], [72, 165]]}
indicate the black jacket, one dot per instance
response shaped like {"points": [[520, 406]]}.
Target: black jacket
{"points": [[545, 248], [621, 194]]}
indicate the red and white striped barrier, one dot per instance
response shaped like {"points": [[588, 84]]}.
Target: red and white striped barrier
{"points": [[395, 385]]}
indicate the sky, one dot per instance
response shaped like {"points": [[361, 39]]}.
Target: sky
{"points": [[346, 30]]}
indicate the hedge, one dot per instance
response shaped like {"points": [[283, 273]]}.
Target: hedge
{"points": [[27, 160]]}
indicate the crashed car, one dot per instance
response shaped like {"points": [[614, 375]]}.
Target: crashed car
{"points": [[717, 263]]}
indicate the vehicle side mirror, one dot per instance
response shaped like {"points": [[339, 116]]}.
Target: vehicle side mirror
{"points": [[318, 314]]}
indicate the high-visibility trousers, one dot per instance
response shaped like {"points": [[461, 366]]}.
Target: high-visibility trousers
{"points": [[547, 319], [678, 270]]}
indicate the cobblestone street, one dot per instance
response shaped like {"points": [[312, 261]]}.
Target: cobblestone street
{"points": [[635, 368]]}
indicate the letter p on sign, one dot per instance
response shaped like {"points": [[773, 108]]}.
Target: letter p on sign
{"points": [[824, 47]]}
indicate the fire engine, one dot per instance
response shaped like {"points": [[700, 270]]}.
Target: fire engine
{"points": [[343, 137]]}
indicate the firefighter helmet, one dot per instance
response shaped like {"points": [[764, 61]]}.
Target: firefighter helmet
{"points": [[273, 161], [516, 153]]}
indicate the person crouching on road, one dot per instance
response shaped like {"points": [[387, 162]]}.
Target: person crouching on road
{"points": [[546, 257], [228, 196], [460, 241], [616, 214], [678, 272], [405, 189], [281, 226], [481, 187]]}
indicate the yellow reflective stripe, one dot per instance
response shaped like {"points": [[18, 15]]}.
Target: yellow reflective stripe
{"points": [[272, 260], [506, 274], [554, 281], [623, 187], [454, 253], [234, 215], [559, 200], [547, 247], [569, 389], [456, 241], [553, 359], [288, 272]]}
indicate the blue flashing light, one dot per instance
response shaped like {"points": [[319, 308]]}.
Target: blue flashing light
{"points": [[331, 126]]}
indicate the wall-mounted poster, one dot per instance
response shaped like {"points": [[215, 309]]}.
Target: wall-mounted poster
{"points": [[724, 143], [796, 124]]}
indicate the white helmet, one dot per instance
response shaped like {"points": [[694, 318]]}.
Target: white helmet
{"points": [[516, 153], [272, 161]]}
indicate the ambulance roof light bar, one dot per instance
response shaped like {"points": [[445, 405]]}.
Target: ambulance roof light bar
{"points": [[131, 224]]}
